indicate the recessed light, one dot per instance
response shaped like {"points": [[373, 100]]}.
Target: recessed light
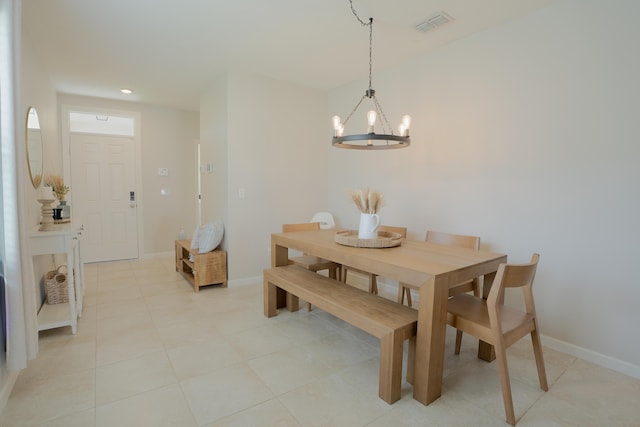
{"points": [[126, 91]]}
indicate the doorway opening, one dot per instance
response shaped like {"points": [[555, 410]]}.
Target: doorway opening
{"points": [[103, 168]]}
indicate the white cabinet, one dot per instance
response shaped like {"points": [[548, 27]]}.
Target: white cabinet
{"points": [[65, 239]]}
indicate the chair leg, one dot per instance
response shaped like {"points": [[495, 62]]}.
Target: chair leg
{"points": [[333, 272], [373, 284], [408, 291], [309, 306], [476, 288], [400, 294], [505, 383], [537, 352], [343, 274], [458, 341]]}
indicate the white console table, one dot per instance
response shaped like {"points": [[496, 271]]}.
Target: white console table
{"points": [[64, 239]]}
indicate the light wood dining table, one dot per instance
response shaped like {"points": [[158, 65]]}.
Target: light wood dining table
{"points": [[431, 267]]}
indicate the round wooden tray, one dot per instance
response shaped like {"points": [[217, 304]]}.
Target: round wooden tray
{"points": [[385, 239]]}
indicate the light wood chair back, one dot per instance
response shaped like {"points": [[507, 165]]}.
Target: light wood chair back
{"points": [[305, 226], [309, 262], [499, 325], [457, 240], [373, 278]]}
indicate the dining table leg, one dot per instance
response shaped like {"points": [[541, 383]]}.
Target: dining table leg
{"points": [[485, 350], [430, 341]]}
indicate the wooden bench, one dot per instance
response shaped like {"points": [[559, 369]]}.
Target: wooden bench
{"points": [[206, 269], [392, 323]]}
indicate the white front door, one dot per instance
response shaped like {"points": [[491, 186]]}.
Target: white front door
{"points": [[105, 195]]}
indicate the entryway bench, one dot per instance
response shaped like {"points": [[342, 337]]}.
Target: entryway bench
{"points": [[392, 323]]}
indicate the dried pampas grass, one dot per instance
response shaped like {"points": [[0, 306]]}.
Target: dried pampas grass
{"points": [[367, 201], [57, 185]]}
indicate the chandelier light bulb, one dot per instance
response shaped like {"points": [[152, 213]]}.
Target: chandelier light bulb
{"points": [[406, 124], [371, 119], [406, 121], [340, 130], [336, 122], [402, 129]]}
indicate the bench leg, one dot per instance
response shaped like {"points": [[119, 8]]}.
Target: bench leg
{"points": [[411, 357], [293, 302], [390, 376], [270, 298]]}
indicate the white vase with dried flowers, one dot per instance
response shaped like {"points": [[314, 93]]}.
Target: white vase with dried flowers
{"points": [[59, 190], [57, 185], [368, 203]]}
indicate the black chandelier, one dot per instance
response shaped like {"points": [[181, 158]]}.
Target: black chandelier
{"points": [[371, 140]]}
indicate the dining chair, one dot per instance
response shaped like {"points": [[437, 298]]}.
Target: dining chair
{"points": [[373, 282], [457, 240], [325, 219], [499, 325], [310, 262]]}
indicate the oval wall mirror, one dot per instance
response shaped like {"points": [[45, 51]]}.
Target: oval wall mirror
{"points": [[34, 147]]}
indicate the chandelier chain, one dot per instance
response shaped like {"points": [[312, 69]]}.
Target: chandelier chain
{"points": [[386, 127], [370, 25], [354, 109], [392, 141], [353, 10], [370, 49]]}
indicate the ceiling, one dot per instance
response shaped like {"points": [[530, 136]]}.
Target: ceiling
{"points": [[168, 51]]}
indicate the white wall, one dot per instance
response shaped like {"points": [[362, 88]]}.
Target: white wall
{"points": [[526, 135], [38, 92], [275, 152], [213, 141], [169, 138]]}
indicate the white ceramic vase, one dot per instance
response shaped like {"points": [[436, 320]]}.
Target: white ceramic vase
{"points": [[368, 226]]}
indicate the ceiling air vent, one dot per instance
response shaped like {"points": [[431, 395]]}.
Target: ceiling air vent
{"points": [[434, 22]]}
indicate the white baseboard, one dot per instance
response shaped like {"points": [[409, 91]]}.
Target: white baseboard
{"points": [[235, 282], [390, 289], [592, 356], [7, 387]]}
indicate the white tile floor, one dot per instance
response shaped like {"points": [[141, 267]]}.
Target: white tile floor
{"points": [[151, 352]]}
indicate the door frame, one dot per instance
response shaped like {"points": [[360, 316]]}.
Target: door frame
{"points": [[137, 138]]}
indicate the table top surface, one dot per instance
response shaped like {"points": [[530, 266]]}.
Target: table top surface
{"points": [[412, 262]]}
